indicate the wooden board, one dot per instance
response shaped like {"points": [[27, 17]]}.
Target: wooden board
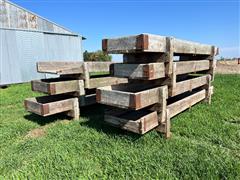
{"points": [[140, 71], [152, 43], [58, 86], [60, 68], [65, 68], [49, 105], [189, 85], [135, 121], [128, 96], [183, 104], [183, 67], [98, 66], [104, 81]]}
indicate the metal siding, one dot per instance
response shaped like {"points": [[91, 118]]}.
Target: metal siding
{"points": [[20, 50], [16, 17]]}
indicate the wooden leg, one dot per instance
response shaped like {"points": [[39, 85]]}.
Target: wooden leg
{"points": [[208, 90], [75, 112], [165, 126]]}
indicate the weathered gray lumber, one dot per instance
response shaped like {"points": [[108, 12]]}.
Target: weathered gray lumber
{"points": [[183, 104], [58, 86], [189, 85], [183, 67], [45, 106], [104, 81], [119, 97], [131, 121], [152, 43], [98, 66], [58, 67], [213, 62], [209, 90], [65, 68], [140, 71], [165, 126]]}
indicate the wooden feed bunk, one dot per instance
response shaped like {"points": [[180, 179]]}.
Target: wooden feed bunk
{"points": [[73, 89], [159, 87]]}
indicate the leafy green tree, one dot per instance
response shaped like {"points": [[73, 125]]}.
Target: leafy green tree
{"points": [[96, 56]]}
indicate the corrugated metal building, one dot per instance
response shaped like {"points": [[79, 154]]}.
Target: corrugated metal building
{"points": [[27, 38]]}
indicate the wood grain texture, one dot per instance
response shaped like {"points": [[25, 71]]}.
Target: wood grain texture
{"points": [[140, 71], [128, 100], [191, 66], [131, 121], [105, 81], [58, 67], [183, 104], [189, 85], [58, 86], [156, 43], [45, 108]]}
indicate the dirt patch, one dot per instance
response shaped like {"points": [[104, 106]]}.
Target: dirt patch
{"points": [[228, 67], [41, 131], [35, 133]]}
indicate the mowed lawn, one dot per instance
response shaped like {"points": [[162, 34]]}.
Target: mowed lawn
{"points": [[205, 142]]}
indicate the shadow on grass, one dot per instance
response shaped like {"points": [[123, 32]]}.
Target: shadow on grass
{"points": [[95, 116], [42, 121]]}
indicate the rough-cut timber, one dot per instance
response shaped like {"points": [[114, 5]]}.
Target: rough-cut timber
{"points": [[58, 86], [135, 121], [65, 68], [49, 105], [189, 85], [104, 81], [185, 103], [98, 66], [183, 67], [153, 43], [140, 71], [60, 68], [127, 96]]}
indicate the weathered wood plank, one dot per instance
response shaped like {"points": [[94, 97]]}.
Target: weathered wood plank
{"points": [[191, 66], [189, 85], [60, 68], [183, 104], [137, 122], [105, 81], [99, 66], [152, 43], [117, 96], [140, 71], [46, 106], [58, 86]]}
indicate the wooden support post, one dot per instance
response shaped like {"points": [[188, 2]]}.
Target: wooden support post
{"points": [[163, 115], [208, 90], [212, 65], [169, 55], [75, 112], [165, 127], [173, 80], [86, 75]]}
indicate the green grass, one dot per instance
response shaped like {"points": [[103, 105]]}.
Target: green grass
{"points": [[205, 142]]}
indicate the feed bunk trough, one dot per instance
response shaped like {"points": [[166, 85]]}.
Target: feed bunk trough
{"points": [[73, 89], [157, 84]]}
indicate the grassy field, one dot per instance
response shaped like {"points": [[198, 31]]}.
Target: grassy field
{"points": [[205, 142]]}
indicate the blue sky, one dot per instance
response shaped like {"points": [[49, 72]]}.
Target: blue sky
{"points": [[207, 21]]}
